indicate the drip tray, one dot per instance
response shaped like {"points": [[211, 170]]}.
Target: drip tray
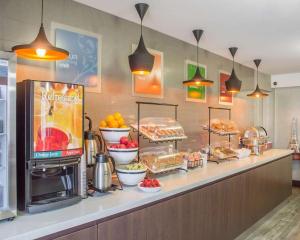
{"points": [[51, 200], [51, 204]]}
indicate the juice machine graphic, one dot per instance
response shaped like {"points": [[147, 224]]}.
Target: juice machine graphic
{"points": [[50, 144]]}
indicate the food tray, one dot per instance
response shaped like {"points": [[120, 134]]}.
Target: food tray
{"points": [[223, 156], [226, 157], [152, 167], [152, 139], [165, 169], [222, 127], [160, 129], [223, 151], [221, 133], [161, 159]]}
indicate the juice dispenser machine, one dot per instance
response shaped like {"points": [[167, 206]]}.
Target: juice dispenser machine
{"points": [[50, 144]]}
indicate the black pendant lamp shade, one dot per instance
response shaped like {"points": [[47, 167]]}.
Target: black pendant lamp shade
{"points": [[233, 84], [40, 48], [141, 61], [257, 93], [198, 80]]}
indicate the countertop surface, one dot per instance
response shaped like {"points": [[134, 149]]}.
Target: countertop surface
{"points": [[95, 208]]}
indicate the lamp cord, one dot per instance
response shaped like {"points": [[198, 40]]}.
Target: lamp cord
{"points": [[141, 27], [197, 53], [42, 15], [257, 75]]}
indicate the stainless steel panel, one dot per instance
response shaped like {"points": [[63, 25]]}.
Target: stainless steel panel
{"points": [[10, 137], [91, 149]]}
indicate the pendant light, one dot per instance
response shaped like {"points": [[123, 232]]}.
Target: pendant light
{"points": [[40, 48], [141, 61], [198, 80], [258, 93], [233, 84]]}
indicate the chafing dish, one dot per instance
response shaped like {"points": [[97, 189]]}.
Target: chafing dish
{"points": [[255, 139]]}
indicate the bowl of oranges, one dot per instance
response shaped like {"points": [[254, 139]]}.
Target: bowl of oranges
{"points": [[113, 127]]}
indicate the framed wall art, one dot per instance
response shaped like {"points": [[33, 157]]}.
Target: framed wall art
{"points": [[84, 63], [194, 94], [152, 85], [225, 98]]}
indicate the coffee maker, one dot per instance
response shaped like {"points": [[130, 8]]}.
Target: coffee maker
{"points": [[49, 144]]}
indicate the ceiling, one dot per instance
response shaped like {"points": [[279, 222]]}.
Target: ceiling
{"points": [[266, 29]]}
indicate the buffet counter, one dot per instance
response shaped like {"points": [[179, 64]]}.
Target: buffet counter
{"points": [[92, 213]]}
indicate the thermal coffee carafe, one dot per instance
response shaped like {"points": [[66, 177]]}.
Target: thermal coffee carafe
{"points": [[103, 172], [92, 147]]}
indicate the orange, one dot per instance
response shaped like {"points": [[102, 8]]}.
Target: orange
{"points": [[109, 118], [121, 121], [113, 124], [102, 124], [117, 115]]}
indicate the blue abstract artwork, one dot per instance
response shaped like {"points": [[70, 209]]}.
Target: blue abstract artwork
{"points": [[82, 65]]}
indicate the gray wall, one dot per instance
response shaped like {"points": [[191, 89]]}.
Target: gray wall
{"points": [[286, 107], [19, 22]]}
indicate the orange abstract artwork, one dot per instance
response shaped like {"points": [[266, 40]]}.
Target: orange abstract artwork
{"points": [[225, 97], [150, 85]]}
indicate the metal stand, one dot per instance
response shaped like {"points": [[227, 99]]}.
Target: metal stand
{"points": [[114, 187], [209, 129], [139, 119], [103, 148], [92, 190], [102, 143]]}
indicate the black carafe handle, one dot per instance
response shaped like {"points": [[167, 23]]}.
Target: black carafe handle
{"points": [[90, 121], [100, 146]]}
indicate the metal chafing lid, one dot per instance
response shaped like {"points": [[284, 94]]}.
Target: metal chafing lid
{"points": [[255, 132]]}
